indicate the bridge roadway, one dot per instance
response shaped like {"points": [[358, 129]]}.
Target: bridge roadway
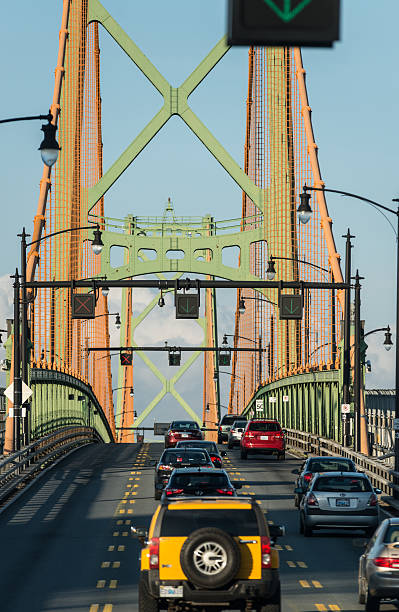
{"points": [[66, 545]]}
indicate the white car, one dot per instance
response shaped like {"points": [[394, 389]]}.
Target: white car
{"points": [[235, 433]]}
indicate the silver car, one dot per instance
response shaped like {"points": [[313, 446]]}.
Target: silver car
{"points": [[235, 433], [339, 500], [379, 566]]}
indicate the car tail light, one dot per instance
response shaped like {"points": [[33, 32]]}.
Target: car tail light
{"points": [[173, 491], [266, 557], [373, 501], [216, 460], [312, 501], [249, 434], [386, 562], [220, 428], [308, 476], [164, 468], [225, 491], [154, 553]]}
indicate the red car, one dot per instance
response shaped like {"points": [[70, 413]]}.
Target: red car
{"points": [[182, 430], [263, 436]]}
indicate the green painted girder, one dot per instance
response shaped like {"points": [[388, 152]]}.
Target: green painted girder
{"points": [[175, 103]]}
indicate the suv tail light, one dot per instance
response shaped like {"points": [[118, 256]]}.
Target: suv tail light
{"points": [[386, 562], [249, 434], [154, 553], [216, 460], [373, 501], [312, 501], [165, 468], [173, 491], [307, 476], [225, 491], [266, 558], [220, 428]]}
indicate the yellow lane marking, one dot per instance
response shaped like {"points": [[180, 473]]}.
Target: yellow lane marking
{"points": [[113, 584], [334, 607], [270, 522], [132, 501], [111, 548], [121, 548], [137, 478], [94, 608], [135, 485], [321, 607], [317, 584], [128, 486], [119, 522], [105, 564], [128, 522], [134, 493], [278, 547], [130, 511], [107, 608], [115, 534], [301, 564], [305, 584], [125, 533], [288, 547], [100, 584], [116, 564], [291, 563]]}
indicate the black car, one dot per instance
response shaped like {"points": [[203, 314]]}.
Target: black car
{"points": [[199, 482], [173, 458], [315, 465], [209, 446]]}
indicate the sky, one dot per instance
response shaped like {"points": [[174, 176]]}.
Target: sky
{"points": [[353, 90]]}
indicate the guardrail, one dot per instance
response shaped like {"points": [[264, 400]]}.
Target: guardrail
{"points": [[381, 476], [22, 466]]}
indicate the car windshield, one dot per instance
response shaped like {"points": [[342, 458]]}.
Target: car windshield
{"points": [[391, 534], [185, 481], [179, 523], [264, 426], [174, 458], [330, 465], [239, 424], [208, 446], [347, 484], [228, 419], [184, 425]]}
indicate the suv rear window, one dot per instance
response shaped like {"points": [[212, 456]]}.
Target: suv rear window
{"points": [[208, 446], [228, 419], [239, 424], [184, 425], [335, 484], [174, 458], [179, 523], [198, 480], [264, 426], [328, 465]]}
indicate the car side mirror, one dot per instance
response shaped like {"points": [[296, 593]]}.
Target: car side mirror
{"points": [[298, 490], [377, 491], [223, 453], [296, 471], [237, 485], [139, 533]]}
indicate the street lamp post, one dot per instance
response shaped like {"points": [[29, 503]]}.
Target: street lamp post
{"points": [[305, 209], [22, 339]]}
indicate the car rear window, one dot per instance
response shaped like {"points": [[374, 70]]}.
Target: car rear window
{"points": [[239, 424], [184, 425], [173, 458], [328, 465], [347, 484], [208, 446], [228, 419], [264, 426], [391, 534], [179, 523], [199, 480]]}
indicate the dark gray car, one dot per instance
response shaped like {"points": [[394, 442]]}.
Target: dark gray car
{"points": [[379, 566], [339, 500]]}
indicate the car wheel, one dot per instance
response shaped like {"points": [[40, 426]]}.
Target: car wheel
{"points": [[296, 501], [157, 494], [146, 602], [210, 558], [243, 454], [362, 592], [300, 524], [372, 603], [273, 605], [307, 531], [281, 456], [229, 445]]}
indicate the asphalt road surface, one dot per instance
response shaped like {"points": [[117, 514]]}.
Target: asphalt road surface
{"points": [[66, 546]]}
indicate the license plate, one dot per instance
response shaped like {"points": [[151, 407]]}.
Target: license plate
{"points": [[342, 502], [170, 591], [184, 435], [264, 437]]}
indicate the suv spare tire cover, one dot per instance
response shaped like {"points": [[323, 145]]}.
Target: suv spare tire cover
{"points": [[210, 558]]}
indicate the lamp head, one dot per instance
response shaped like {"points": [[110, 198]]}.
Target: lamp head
{"points": [[241, 306], [271, 269], [388, 344], [161, 301], [117, 321], [304, 210], [131, 392], [49, 147], [97, 244], [225, 341], [105, 291], [215, 375]]}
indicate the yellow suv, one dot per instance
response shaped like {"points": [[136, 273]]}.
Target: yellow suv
{"points": [[209, 551]]}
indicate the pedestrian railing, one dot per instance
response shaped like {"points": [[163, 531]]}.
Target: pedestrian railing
{"points": [[381, 476], [17, 469]]}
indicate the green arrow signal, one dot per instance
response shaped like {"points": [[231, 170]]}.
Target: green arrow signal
{"points": [[187, 308], [291, 308], [288, 13]]}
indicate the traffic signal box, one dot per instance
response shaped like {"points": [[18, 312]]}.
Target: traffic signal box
{"points": [[187, 305], [303, 23], [126, 359], [291, 306], [83, 306], [174, 358], [224, 358]]}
